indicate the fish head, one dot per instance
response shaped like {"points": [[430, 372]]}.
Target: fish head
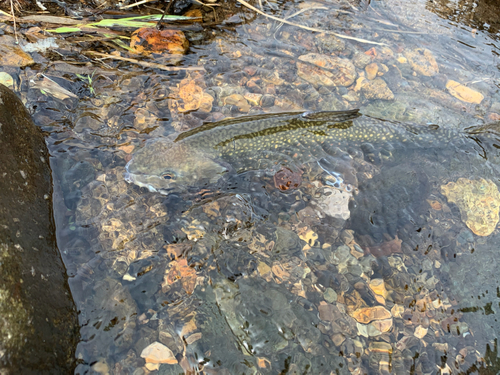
{"points": [[165, 166]]}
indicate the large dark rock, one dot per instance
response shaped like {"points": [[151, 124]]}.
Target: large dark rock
{"points": [[38, 320]]}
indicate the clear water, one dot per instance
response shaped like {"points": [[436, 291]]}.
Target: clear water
{"points": [[243, 278]]}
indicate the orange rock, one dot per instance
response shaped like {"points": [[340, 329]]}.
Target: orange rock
{"points": [[464, 93], [193, 338], [368, 314], [144, 119], [384, 53], [371, 70], [152, 366], [402, 60], [128, 149], [149, 39], [264, 271], [397, 311], [212, 209], [371, 52], [435, 205], [263, 363], [190, 96]]}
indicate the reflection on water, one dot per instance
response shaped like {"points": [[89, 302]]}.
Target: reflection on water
{"points": [[374, 264], [479, 14]]}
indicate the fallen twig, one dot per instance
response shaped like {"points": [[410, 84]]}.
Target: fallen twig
{"points": [[146, 64], [136, 4], [14, 19], [243, 2], [305, 10]]}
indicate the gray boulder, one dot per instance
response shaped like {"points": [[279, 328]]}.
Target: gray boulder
{"points": [[38, 320]]}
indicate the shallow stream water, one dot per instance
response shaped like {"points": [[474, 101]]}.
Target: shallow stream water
{"points": [[385, 263]]}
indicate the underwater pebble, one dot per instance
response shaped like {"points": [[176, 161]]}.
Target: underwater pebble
{"points": [[464, 93], [368, 314], [378, 287], [334, 203], [330, 295], [239, 101], [11, 53], [420, 332], [371, 70], [375, 89], [478, 202], [422, 61], [327, 43], [6, 79], [360, 60], [158, 353], [324, 70], [267, 101], [253, 99]]}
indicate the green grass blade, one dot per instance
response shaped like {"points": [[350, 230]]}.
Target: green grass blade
{"points": [[129, 22]]}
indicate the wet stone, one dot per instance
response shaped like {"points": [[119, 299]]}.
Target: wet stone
{"points": [[330, 295], [158, 353], [6, 80], [422, 61], [324, 70], [329, 43], [285, 179], [369, 314], [267, 100], [11, 54], [151, 40], [478, 201], [375, 89], [464, 93], [371, 70], [361, 60]]}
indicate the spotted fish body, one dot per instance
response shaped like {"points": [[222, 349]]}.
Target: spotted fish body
{"points": [[255, 142]]}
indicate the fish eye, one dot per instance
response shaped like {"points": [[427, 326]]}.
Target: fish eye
{"points": [[168, 176]]}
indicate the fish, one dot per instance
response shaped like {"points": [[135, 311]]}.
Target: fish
{"points": [[205, 154]]}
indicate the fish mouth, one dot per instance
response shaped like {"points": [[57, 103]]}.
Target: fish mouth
{"points": [[133, 178]]}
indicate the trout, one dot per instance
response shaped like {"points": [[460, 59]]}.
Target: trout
{"points": [[205, 154]]}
